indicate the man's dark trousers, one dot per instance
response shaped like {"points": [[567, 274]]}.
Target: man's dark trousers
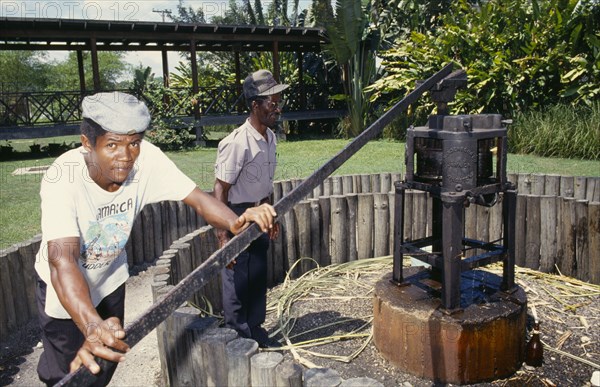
{"points": [[245, 287], [62, 339]]}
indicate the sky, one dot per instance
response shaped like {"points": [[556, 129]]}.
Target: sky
{"points": [[121, 10]]}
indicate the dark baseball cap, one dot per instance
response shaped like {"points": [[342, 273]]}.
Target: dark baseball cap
{"points": [[262, 83]]}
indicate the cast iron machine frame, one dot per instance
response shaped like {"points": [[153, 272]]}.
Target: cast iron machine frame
{"points": [[454, 164]]}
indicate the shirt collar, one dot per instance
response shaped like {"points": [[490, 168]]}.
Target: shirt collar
{"points": [[257, 136]]}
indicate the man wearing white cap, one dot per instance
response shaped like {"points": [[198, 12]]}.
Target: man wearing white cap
{"points": [[90, 198], [244, 173]]}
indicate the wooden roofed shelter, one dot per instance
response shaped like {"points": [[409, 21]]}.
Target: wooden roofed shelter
{"points": [[104, 35]]}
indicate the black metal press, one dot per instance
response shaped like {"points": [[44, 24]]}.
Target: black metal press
{"points": [[460, 160]]}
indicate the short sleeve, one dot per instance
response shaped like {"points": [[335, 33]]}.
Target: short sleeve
{"points": [[164, 180], [59, 212], [230, 161]]}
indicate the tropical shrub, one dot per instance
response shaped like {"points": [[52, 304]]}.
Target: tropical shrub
{"points": [[518, 56]]}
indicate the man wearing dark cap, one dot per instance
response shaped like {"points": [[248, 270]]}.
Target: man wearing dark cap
{"points": [[244, 173], [90, 198]]}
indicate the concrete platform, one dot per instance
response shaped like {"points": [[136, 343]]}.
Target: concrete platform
{"points": [[483, 341]]}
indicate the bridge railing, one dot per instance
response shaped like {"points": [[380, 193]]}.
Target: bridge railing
{"points": [[35, 108]]}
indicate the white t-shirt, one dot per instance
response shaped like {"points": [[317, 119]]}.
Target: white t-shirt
{"points": [[247, 161], [73, 205]]}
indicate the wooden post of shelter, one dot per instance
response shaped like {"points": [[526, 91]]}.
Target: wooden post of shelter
{"points": [[95, 70], [165, 67], [276, 61], [301, 81], [238, 81], [81, 72], [195, 90]]}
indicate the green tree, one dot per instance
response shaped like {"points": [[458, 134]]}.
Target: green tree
{"points": [[23, 71], [64, 75], [518, 55], [353, 46]]}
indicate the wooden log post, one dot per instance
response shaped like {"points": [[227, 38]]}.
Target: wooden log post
{"points": [[548, 249], [302, 213], [339, 227], [262, 369], [148, 235], [278, 257], [315, 230], [524, 183], [325, 208], [214, 355], [386, 182], [165, 225], [336, 185], [352, 204], [364, 226], [381, 214], [347, 185], [471, 227], [582, 253], [28, 251], [496, 221], [183, 344], [375, 183], [429, 213], [19, 285], [567, 264], [239, 352], [419, 214], [288, 373], [184, 258], [208, 245], [137, 235], [483, 223], [594, 241], [356, 184], [392, 211], [593, 189], [580, 187], [552, 186], [173, 226], [318, 191], [200, 363], [321, 377], [532, 232], [538, 184], [159, 245], [10, 311], [520, 227], [408, 214], [513, 178], [567, 186], [4, 329], [183, 223], [365, 184], [290, 243], [162, 335], [327, 187]]}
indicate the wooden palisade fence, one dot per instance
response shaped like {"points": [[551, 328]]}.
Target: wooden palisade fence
{"points": [[558, 228]]}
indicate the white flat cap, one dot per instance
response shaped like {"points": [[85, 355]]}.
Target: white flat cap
{"points": [[116, 112]]}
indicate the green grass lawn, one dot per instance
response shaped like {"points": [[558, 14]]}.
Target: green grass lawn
{"points": [[19, 195]]}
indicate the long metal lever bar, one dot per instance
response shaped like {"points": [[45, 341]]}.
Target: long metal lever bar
{"points": [[159, 311]]}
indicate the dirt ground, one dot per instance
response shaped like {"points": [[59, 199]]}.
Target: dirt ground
{"points": [[19, 355], [569, 314]]}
